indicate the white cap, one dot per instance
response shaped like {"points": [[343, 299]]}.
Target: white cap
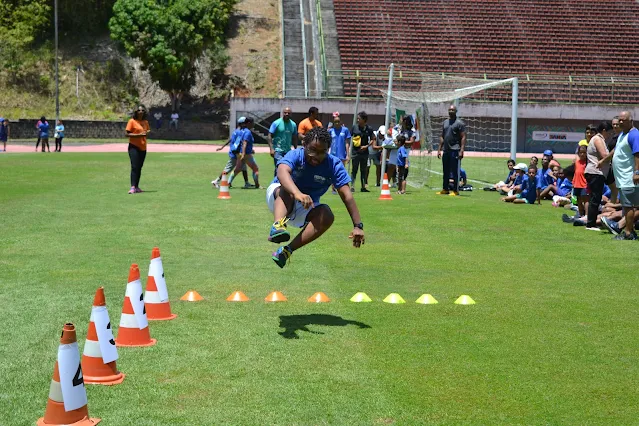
{"points": [[521, 166]]}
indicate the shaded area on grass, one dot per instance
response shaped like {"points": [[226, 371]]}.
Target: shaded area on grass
{"points": [[294, 323]]}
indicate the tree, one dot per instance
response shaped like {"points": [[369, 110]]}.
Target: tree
{"points": [[168, 36], [21, 23]]}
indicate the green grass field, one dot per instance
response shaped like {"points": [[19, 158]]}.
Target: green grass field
{"points": [[553, 338]]}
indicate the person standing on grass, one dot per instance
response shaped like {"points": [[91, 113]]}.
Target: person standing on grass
{"points": [[59, 135], [158, 120], [37, 126], [611, 144], [452, 142], [246, 154], [579, 187], [4, 133], [309, 123], [625, 163], [44, 127], [596, 176], [303, 176], [402, 164], [137, 130], [362, 137], [234, 149], [281, 136]]}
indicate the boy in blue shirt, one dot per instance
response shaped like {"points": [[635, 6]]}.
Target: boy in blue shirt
{"points": [[341, 140], [402, 164], [303, 176], [246, 153], [564, 190], [529, 189], [234, 148]]}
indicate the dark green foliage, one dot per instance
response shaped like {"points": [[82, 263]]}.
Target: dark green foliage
{"points": [[169, 37]]}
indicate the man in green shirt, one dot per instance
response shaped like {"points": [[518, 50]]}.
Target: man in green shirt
{"points": [[281, 135]]}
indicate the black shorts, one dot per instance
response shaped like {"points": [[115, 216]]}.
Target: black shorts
{"points": [[580, 192], [610, 178], [402, 173]]}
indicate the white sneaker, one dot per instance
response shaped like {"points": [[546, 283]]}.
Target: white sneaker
{"points": [[593, 228], [215, 183]]}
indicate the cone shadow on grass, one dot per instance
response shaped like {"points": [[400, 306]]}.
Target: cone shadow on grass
{"points": [[294, 323]]}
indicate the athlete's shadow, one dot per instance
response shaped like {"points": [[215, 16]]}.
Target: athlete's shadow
{"points": [[294, 323]]}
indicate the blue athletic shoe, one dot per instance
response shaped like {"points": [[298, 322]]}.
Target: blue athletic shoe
{"points": [[282, 256], [279, 234], [611, 225]]}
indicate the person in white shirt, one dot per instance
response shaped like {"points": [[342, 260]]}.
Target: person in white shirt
{"points": [[174, 120]]}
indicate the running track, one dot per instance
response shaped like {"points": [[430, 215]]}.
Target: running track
{"points": [[208, 149]]}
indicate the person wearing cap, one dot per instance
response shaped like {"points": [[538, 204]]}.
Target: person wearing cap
{"points": [[309, 122], [234, 149], [529, 189], [246, 153], [281, 136], [545, 177], [521, 169], [551, 156], [4, 132], [452, 142]]}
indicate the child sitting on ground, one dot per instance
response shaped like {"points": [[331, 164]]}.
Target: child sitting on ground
{"points": [[521, 169], [563, 190], [504, 186], [529, 189]]}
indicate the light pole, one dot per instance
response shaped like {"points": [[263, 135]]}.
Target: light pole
{"points": [[57, 80]]}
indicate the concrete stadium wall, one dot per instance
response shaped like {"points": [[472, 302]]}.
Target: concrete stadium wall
{"points": [[188, 130], [531, 116]]}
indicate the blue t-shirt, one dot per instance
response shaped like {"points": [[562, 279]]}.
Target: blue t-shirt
{"points": [[544, 178], [564, 187], [247, 136], [44, 130], [236, 141], [282, 135], [4, 133], [510, 173], [462, 175], [607, 191], [315, 180], [338, 145], [519, 179], [402, 156], [529, 189], [59, 129]]}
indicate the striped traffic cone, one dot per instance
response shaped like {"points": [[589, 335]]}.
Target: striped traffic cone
{"points": [[156, 297], [224, 188], [99, 366], [74, 410], [386, 195], [134, 325]]}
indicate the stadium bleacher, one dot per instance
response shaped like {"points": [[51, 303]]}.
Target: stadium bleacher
{"points": [[500, 38]]}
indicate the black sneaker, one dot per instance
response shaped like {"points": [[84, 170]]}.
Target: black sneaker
{"points": [[578, 223], [623, 236], [567, 219], [364, 190]]}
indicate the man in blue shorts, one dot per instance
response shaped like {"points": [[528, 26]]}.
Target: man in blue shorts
{"points": [[303, 176]]}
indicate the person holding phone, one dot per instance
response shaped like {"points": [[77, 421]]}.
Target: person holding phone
{"points": [[137, 130]]}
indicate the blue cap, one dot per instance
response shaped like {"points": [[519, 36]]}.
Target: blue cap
{"points": [[548, 152], [241, 120]]}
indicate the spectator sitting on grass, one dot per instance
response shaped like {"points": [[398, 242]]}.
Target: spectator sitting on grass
{"points": [[545, 178], [551, 179], [564, 190], [550, 155], [504, 186], [529, 189], [521, 169], [463, 181], [534, 161]]}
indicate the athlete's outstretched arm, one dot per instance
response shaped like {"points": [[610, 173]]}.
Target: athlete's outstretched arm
{"points": [[347, 198]]}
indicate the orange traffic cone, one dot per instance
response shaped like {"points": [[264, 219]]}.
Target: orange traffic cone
{"points": [[237, 296], [134, 325], [319, 297], [386, 195], [192, 296], [224, 188], [276, 296], [99, 366], [73, 411], [156, 297]]}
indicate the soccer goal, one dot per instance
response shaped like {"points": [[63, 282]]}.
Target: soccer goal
{"points": [[487, 107]]}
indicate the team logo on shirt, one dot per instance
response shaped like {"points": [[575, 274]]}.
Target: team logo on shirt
{"points": [[319, 179]]}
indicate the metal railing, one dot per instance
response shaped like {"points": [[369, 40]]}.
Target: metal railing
{"points": [[320, 27]]}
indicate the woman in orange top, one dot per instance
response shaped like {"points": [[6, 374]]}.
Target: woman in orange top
{"points": [[137, 129]]}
